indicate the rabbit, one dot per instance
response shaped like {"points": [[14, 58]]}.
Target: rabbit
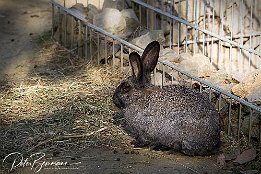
{"points": [[173, 116]]}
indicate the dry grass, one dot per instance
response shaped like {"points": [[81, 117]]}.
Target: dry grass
{"points": [[65, 102]]}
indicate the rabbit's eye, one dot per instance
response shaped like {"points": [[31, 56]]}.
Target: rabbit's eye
{"points": [[126, 87]]}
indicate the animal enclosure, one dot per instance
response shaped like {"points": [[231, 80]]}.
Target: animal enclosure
{"points": [[228, 32], [229, 37]]}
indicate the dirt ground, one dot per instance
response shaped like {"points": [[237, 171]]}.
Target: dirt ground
{"points": [[24, 25], [20, 22]]}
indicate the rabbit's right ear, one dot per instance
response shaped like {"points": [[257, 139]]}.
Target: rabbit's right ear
{"points": [[150, 56], [136, 66]]}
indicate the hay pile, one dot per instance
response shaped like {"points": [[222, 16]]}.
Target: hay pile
{"points": [[64, 102]]}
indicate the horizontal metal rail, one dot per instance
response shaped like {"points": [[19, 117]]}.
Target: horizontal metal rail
{"points": [[242, 101], [81, 18], [216, 39], [164, 62], [196, 27]]}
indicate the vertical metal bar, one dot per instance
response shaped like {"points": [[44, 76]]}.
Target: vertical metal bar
{"points": [[171, 33], [230, 57], [147, 17], [239, 120], [106, 50], [255, 7], [163, 75], [72, 32], [250, 37], [140, 13], [255, 57], [64, 3], [200, 88], [212, 28], [250, 125], [198, 21], [204, 23], [186, 44], [79, 38], [240, 57], [179, 24], [98, 49], [86, 42], [259, 66], [231, 38], [121, 57], [196, 24], [162, 17], [220, 58], [113, 54], [229, 117], [65, 31], [259, 130], [132, 5], [129, 71], [52, 20], [154, 75], [91, 56], [172, 30], [60, 25], [172, 77], [161, 82], [208, 37]]}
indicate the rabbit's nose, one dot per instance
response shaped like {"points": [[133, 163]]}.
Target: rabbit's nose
{"points": [[118, 101]]}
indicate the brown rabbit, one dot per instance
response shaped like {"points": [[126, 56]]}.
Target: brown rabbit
{"points": [[173, 116]]}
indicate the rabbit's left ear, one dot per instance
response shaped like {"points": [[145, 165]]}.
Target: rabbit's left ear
{"points": [[136, 66], [150, 56]]}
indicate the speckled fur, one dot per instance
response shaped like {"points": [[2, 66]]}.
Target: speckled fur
{"points": [[174, 116]]}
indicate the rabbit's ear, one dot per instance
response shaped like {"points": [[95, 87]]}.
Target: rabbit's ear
{"points": [[136, 65], [150, 56]]}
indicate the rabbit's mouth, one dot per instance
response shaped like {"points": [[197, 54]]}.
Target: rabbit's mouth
{"points": [[118, 101], [120, 94]]}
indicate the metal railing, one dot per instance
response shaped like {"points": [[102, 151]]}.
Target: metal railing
{"points": [[225, 49], [83, 34], [196, 27]]}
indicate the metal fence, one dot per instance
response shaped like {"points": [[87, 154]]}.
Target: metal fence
{"points": [[85, 39], [228, 32]]}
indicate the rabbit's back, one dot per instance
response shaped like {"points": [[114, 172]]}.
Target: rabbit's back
{"points": [[177, 117]]}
